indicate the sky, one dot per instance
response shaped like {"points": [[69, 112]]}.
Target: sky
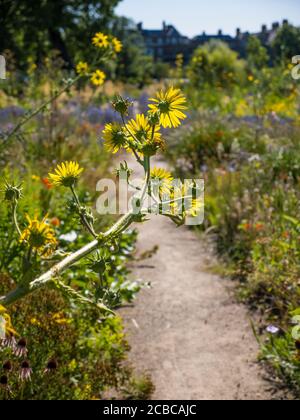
{"points": [[192, 17]]}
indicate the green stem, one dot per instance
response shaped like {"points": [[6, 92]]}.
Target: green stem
{"points": [[29, 254], [134, 137], [15, 218], [153, 132], [24, 290], [40, 108], [139, 160], [147, 167], [83, 219]]}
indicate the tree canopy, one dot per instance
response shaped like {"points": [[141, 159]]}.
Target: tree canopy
{"points": [[35, 27], [286, 43]]}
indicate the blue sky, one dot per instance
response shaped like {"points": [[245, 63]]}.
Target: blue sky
{"points": [[192, 17]]}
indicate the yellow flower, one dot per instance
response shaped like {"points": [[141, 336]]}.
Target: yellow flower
{"points": [[6, 327], [32, 68], [242, 108], [60, 319], [163, 179], [35, 178], [142, 130], [146, 136], [100, 40], [184, 201], [40, 236], [98, 78], [82, 68], [35, 321], [66, 174], [193, 207], [169, 104], [118, 46], [179, 61], [72, 365], [114, 137]]}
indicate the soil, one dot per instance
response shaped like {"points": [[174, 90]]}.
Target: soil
{"points": [[187, 330]]}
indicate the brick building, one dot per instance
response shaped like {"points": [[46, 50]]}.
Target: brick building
{"points": [[166, 43]]}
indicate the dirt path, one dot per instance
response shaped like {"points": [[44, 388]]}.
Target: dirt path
{"points": [[187, 331]]}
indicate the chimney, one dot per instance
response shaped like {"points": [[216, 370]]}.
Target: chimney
{"points": [[238, 32], [164, 25], [275, 26], [140, 26], [220, 32], [264, 29]]}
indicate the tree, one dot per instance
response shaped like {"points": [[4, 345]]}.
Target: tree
{"points": [[257, 54], [286, 44], [33, 28], [215, 64], [133, 65]]}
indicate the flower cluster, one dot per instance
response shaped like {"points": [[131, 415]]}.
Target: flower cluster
{"points": [[142, 134], [18, 364], [24, 371], [108, 46], [105, 42]]}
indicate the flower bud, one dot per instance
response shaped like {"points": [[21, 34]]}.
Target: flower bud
{"points": [[151, 147], [121, 105], [12, 192], [98, 265], [153, 118]]}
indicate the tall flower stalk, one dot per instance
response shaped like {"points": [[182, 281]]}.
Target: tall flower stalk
{"points": [[140, 136]]}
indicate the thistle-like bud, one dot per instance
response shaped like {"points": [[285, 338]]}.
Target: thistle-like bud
{"points": [[72, 206], [12, 192], [87, 214], [153, 118], [98, 264], [151, 147], [121, 105]]}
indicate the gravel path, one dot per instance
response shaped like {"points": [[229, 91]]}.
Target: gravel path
{"points": [[187, 331]]}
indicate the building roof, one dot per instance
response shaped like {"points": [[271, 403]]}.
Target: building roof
{"points": [[167, 30], [168, 42], [205, 37]]}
